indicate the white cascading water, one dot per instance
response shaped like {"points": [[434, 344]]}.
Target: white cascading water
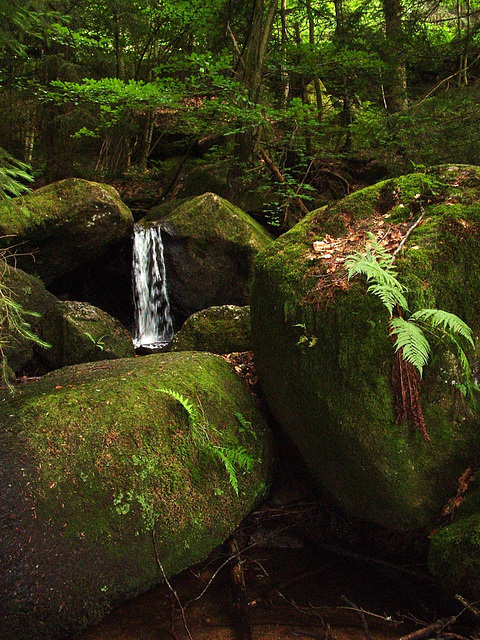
{"points": [[153, 322]]}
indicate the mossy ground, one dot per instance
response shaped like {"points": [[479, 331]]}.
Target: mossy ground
{"points": [[326, 344], [96, 459]]}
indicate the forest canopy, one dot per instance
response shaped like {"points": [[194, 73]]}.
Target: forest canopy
{"points": [[315, 96]]}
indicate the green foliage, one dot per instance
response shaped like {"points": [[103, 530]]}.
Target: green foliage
{"points": [[410, 334], [14, 322], [234, 458], [13, 175]]}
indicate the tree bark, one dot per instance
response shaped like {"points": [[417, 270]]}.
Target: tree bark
{"points": [[253, 61], [346, 116], [316, 80], [396, 94]]}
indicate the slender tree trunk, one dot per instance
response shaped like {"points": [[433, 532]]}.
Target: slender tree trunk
{"points": [[396, 93], [283, 70], [253, 61], [346, 116], [316, 80]]}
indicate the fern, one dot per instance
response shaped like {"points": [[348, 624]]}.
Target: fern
{"points": [[448, 322], [193, 416], [229, 457], [14, 322], [412, 341]]}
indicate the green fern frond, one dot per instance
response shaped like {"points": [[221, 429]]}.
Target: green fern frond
{"points": [[385, 258], [411, 339], [390, 296], [449, 322], [368, 265], [193, 416]]}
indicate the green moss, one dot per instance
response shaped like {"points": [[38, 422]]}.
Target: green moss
{"points": [[454, 556], [79, 332], [56, 201], [334, 394], [210, 215], [102, 458], [50, 221], [217, 329]]}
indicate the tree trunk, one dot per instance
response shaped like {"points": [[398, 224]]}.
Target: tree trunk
{"points": [[316, 80], [396, 93], [251, 71], [346, 116]]}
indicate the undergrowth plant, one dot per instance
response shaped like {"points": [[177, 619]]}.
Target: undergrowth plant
{"points": [[412, 331], [233, 458], [14, 322]]}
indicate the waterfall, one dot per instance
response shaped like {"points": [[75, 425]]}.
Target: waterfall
{"points": [[153, 323]]}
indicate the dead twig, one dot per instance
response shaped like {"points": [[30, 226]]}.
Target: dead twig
{"points": [[410, 231], [172, 590], [430, 630], [239, 593], [361, 613]]}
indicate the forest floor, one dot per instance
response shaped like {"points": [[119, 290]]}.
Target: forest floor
{"points": [[309, 573]]}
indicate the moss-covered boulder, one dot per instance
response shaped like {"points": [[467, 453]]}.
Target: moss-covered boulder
{"points": [[79, 332], [64, 225], [218, 330], [324, 354], [102, 473], [31, 295], [454, 555], [209, 246]]}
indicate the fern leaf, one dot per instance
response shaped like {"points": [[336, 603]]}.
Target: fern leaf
{"points": [[449, 322], [193, 417], [390, 296], [411, 339], [368, 265]]}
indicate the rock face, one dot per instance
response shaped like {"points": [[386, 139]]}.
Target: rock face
{"points": [[30, 293], [217, 330], [100, 471], [64, 225], [324, 354], [209, 246], [454, 556], [79, 332]]}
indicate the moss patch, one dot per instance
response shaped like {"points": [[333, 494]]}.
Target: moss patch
{"points": [[79, 332], [94, 458], [217, 330], [210, 246], [324, 355], [72, 213]]}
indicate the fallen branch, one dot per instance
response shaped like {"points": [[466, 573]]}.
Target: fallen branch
{"points": [[361, 613], [430, 630]]}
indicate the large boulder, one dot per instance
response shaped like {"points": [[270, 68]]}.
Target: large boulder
{"points": [[324, 354], [107, 482], [64, 225], [79, 332], [217, 330], [209, 246], [28, 292]]}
